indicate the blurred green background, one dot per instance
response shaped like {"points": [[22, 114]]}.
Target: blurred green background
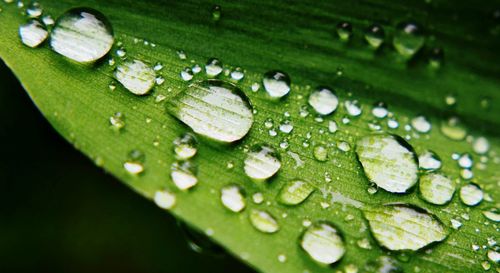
{"points": [[60, 213]]}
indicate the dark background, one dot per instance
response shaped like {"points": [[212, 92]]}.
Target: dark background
{"points": [[60, 213]]}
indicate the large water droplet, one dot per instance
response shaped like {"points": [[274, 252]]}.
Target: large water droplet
{"points": [[215, 109], [324, 101], [471, 194], [183, 174], [436, 188], [323, 243], [261, 163], [429, 161], [374, 35], [232, 198], [33, 33], [263, 221], [136, 76], [388, 161], [185, 146], [82, 34], [295, 192], [408, 38], [276, 84], [400, 227]]}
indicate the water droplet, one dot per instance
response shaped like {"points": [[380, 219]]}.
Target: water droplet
{"points": [[181, 54], [436, 57], [343, 146], [183, 174], [421, 124], [237, 74], [213, 67], [375, 35], [164, 199], [215, 109], [286, 127], [117, 121], [34, 10], [400, 227], [408, 39], [481, 145], [471, 194], [429, 161], [263, 221], [465, 161], [364, 243], [455, 224], [353, 108], [33, 33], [134, 164], [492, 214], [494, 256], [295, 192], [185, 146], [320, 153], [388, 161], [187, 74], [276, 84], [380, 110], [136, 77], [232, 198], [324, 101], [82, 34], [323, 243], [258, 198], [47, 20], [436, 188], [392, 123], [281, 258], [453, 129], [261, 163], [344, 31], [216, 13], [383, 264]]}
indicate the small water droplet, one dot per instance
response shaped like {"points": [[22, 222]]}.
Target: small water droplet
{"points": [[492, 214], [82, 34], [323, 100], [185, 146], [429, 161], [216, 13], [332, 126], [187, 74], [276, 84], [388, 161], [117, 121], [471, 194], [323, 243], [421, 124], [343, 146], [494, 256], [258, 198], [375, 35], [436, 188], [261, 163], [392, 123], [237, 74], [213, 67], [181, 54], [282, 258], [134, 164], [48, 20], [453, 129], [380, 110], [353, 108], [34, 10], [364, 243], [295, 192], [481, 145], [344, 31], [33, 33], [465, 161], [401, 227], [286, 127], [320, 153], [232, 198], [263, 221], [164, 199], [436, 57], [408, 38], [136, 76], [183, 174], [215, 109]]}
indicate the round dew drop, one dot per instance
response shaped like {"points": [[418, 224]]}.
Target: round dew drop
{"points": [[408, 39], [436, 188], [183, 174], [323, 243], [324, 101], [481, 145], [374, 36], [344, 31], [185, 146], [276, 84], [471, 194], [429, 161], [320, 153], [213, 67], [261, 163], [492, 214], [421, 124], [164, 199], [33, 33], [453, 129], [214, 109], [295, 192], [82, 34], [136, 77], [353, 108], [232, 198], [263, 221], [380, 110]]}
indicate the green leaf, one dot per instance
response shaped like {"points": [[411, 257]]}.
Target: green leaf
{"points": [[300, 39]]}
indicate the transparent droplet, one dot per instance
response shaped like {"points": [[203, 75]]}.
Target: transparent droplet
{"points": [[436, 188], [34, 10], [187, 74], [136, 76], [134, 164], [453, 129], [295, 192], [401, 227], [408, 38], [364, 243], [375, 35], [332, 126], [494, 256], [388, 161], [286, 127], [344, 31], [324, 101], [214, 109], [258, 198], [492, 214], [353, 108], [276, 84], [380, 110], [421, 124], [185, 146], [465, 161], [82, 34], [320, 153], [232, 198], [263, 221], [344, 146], [164, 199], [117, 121], [323, 243], [261, 163], [181, 54], [392, 123], [429, 161], [213, 67], [237, 74], [33, 33], [216, 13], [481, 145], [455, 224], [471, 194], [436, 57], [183, 174]]}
